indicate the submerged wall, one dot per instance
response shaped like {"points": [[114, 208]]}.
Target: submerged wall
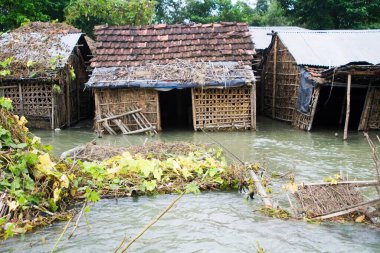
{"points": [[280, 79], [229, 108]]}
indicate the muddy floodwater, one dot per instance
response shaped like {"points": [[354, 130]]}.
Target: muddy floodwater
{"points": [[218, 221]]}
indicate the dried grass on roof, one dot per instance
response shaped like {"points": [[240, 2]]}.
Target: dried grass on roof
{"points": [[181, 71], [47, 28], [41, 44]]}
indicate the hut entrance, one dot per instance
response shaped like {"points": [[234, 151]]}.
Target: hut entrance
{"points": [[175, 109], [331, 108]]}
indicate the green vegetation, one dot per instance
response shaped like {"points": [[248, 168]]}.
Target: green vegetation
{"points": [[85, 14], [36, 188]]}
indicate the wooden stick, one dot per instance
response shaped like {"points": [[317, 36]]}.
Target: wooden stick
{"points": [[313, 108], [121, 244], [267, 200], [118, 116], [77, 222], [347, 107], [60, 237], [152, 223], [346, 210], [355, 183]]}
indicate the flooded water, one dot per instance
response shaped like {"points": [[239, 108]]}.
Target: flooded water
{"points": [[219, 222]]}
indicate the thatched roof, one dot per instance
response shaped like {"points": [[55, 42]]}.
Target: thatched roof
{"points": [[178, 74], [38, 49]]}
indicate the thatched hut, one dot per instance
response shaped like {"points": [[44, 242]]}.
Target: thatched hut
{"points": [[192, 75], [323, 78], [43, 68]]}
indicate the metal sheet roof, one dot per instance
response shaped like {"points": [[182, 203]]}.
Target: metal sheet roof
{"points": [[331, 48], [260, 37]]}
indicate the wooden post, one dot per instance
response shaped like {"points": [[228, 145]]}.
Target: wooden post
{"points": [[68, 104], [367, 107], [313, 108], [274, 78], [253, 107], [193, 107], [21, 99], [159, 128], [52, 111], [347, 106]]}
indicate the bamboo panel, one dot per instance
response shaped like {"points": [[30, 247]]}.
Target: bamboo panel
{"points": [[228, 108], [287, 84], [118, 101], [36, 100]]}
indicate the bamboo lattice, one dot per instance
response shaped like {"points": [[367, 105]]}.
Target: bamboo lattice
{"points": [[222, 108]]}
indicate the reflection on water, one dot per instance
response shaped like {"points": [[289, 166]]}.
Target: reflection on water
{"points": [[219, 222]]}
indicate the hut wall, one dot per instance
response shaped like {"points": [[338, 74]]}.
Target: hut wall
{"points": [[33, 99], [286, 84], [118, 101], [374, 110], [73, 103], [224, 108]]}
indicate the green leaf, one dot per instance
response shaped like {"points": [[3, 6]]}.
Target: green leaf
{"points": [[9, 231], [52, 205], [6, 103], [150, 185], [91, 195], [192, 188]]}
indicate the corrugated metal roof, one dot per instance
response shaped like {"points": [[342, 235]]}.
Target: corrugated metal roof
{"points": [[331, 48], [39, 47], [260, 37]]}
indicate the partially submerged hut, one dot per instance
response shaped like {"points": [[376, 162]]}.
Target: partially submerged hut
{"points": [[322, 77], [261, 37], [195, 75], [43, 68]]}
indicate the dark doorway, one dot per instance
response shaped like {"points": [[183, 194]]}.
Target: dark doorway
{"points": [[331, 109], [176, 109]]}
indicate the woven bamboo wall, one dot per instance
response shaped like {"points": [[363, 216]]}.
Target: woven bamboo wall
{"points": [[305, 120], [287, 78], [35, 98], [118, 101], [374, 114], [222, 108]]}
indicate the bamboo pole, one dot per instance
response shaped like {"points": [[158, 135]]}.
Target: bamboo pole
{"points": [[151, 223], [253, 107], [367, 106], [313, 109], [267, 200], [21, 99], [346, 210], [193, 109], [52, 111], [274, 78], [347, 107]]}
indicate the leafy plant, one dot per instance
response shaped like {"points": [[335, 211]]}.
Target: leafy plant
{"points": [[72, 73], [57, 89]]}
